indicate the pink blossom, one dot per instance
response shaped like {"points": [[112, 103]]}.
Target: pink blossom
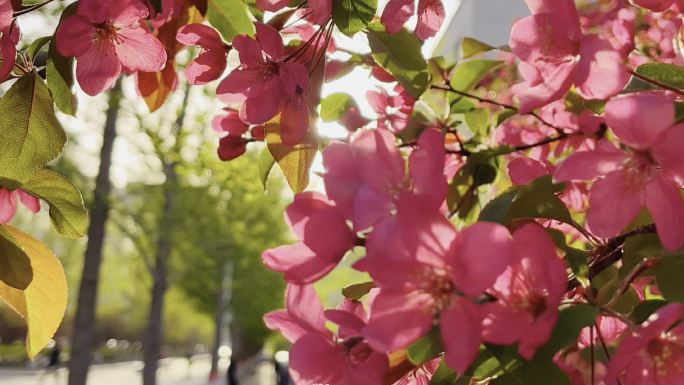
{"points": [[610, 329], [555, 55], [428, 273], [324, 240], [430, 16], [579, 370], [654, 5], [420, 375], [272, 5], [9, 37], [107, 37], [265, 84], [647, 173], [211, 62], [652, 353], [367, 177], [229, 121], [8, 203], [319, 357], [231, 147], [393, 112], [527, 294]]}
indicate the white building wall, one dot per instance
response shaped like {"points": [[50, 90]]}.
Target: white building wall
{"points": [[489, 21]]}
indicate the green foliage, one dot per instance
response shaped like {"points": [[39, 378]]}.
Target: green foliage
{"points": [[66, 204], [535, 200], [358, 290], [443, 375], [469, 74], [230, 18], [400, 54], [60, 80], [471, 47], [295, 162], [31, 135], [59, 73], [351, 16], [426, 348], [669, 275], [334, 106], [15, 264], [667, 74]]}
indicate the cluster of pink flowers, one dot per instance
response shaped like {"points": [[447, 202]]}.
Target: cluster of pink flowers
{"points": [[390, 184], [486, 283]]}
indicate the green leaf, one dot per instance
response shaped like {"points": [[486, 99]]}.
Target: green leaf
{"points": [[334, 106], [571, 321], [471, 47], [443, 375], [538, 200], [535, 200], [469, 74], [358, 290], [503, 115], [667, 74], [645, 309], [60, 73], [295, 162], [67, 212], [266, 163], [400, 54], [15, 265], [37, 45], [60, 80], [478, 121], [31, 135], [351, 16], [669, 273], [230, 18], [43, 303], [426, 348]]}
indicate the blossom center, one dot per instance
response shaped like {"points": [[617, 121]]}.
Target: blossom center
{"points": [[437, 285], [664, 356], [638, 167], [107, 32], [357, 350]]}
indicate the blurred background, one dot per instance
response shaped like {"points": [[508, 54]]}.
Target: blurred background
{"points": [[181, 232]]}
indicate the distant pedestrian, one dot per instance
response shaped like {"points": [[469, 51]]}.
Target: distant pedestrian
{"points": [[232, 372], [53, 364]]}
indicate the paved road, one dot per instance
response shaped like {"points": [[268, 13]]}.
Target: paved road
{"points": [[173, 371]]}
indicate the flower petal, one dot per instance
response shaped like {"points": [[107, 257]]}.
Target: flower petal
{"points": [[398, 318], [461, 329], [475, 268], [430, 18], [316, 360], [664, 201], [613, 203], [668, 151], [140, 50], [8, 205], [601, 72], [74, 36], [396, 14], [297, 262], [524, 170], [199, 35], [587, 165], [639, 119], [98, 69]]}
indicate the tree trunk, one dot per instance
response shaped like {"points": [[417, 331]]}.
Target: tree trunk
{"points": [[153, 338], [84, 324], [220, 320]]}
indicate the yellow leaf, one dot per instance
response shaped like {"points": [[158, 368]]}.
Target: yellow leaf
{"points": [[43, 303], [296, 161]]}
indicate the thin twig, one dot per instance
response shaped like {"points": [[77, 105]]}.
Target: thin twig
{"points": [[32, 8], [480, 99], [655, 82]]}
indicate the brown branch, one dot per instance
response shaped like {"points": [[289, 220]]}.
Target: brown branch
{"points": [[31, 8], [558, 129]]}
